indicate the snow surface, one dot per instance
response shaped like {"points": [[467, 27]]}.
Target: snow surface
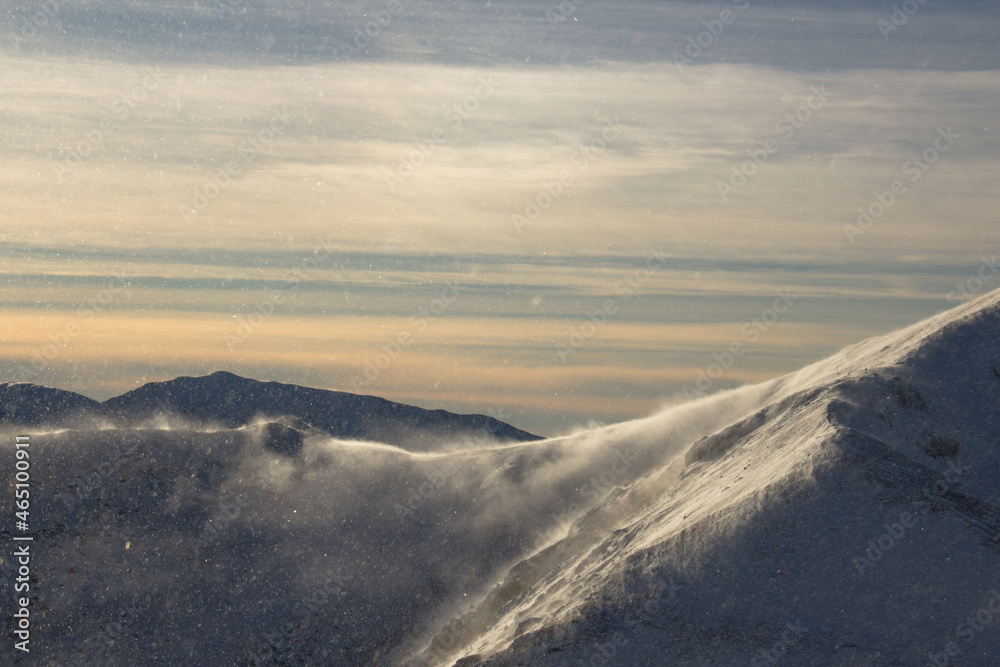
{"points": [[846, 514]]}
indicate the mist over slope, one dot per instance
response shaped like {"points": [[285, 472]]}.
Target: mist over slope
{"points": [[843, 514]]}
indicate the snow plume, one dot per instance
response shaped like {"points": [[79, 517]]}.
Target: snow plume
{"points": [[276, 509], [752, 528]]}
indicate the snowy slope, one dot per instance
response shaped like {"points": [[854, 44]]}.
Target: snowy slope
{"points": [[844, 514], [852, 519]]}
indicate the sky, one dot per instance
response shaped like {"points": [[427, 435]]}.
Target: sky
{"points": [[556, 214]]}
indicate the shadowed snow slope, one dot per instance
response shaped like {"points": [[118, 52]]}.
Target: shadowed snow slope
{"points": [[846, 514]]}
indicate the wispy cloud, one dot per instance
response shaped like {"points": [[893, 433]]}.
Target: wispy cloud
{"points": [[321, 181]]}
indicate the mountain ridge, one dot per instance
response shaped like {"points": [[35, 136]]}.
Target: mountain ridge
{"points": [[852, 440], [28, 404], [196, 402]]}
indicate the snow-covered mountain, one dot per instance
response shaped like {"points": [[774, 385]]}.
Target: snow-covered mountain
{"points": [[26, 404], [846, 514], [232, 401], [225, 400], [852, 517]]}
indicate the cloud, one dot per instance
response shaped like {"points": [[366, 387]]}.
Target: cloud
{"points": [[321, 189], [327, 170]]}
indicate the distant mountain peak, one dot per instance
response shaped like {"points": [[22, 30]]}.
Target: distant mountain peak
{"points": [[29, 404], [225, 399]]}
